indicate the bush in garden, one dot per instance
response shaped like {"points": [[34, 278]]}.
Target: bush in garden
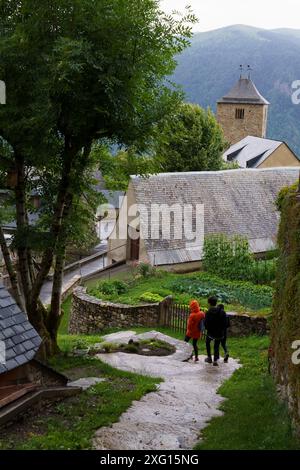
{"points": [[146, 269], [109, 288], [230, 257], [151, 298]]}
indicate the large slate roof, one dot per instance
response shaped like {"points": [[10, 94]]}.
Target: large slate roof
{"points": [[21, 340], [236, 202], [244, 91], [251, 152]]}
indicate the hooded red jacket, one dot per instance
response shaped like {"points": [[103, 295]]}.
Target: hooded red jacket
{"points": [[194, 320]]}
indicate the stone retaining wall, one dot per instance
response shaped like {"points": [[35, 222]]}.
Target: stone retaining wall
{"points": [[244, 325], [90, 315]]}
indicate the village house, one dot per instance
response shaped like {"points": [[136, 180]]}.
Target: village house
{"points": [[236, 202], [255, 152]]}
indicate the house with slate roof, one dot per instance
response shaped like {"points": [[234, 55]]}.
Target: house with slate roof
{"points": [[23, 379], [256, 152], [235, 202]]}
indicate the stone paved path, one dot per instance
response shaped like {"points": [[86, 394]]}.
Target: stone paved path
{"points": [[172, 417], [78, 272]]}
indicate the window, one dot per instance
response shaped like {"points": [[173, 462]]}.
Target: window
{"points": [[239, 113]]}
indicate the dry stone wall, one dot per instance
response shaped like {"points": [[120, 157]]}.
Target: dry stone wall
{"points": [[90, 315]]}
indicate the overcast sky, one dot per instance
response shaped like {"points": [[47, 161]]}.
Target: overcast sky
{"points": [[213, 14]]}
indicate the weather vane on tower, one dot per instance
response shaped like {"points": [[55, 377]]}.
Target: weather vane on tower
{"points": [[249, 70]]}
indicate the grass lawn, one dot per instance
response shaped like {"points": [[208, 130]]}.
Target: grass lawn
{"points": [[165, 284], [254, 418], [72, 423]]}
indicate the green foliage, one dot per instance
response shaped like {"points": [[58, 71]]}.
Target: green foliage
{"points": [[145, 269], [245, 293], [243, 297], [77, 72], [286, 307], [230, 257], [253, 417], [114, 287], [151, 298], [287, 191], [227, 256], [72, 424], [190, 140], [117, 169], [81, 343]]}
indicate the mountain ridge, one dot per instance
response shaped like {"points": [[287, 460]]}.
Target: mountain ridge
{"points": [[210, 66]]}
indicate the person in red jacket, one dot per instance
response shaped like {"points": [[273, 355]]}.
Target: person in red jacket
{"points": [[194, 326]]}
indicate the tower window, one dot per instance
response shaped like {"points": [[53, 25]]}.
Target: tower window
{"points": [[239, 113]]}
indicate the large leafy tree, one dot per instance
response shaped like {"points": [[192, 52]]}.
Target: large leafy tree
{"points": [[116, 168], [76, 71], [190, 140]]}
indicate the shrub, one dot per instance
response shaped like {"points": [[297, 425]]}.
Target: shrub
{"points": [[109, 288], [151, 298], [80, 344], [227, 256], [230, 257], [145, 269], [263, 272], [108, 347]]}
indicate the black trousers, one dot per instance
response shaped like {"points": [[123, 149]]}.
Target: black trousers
{"points": [[224, 343], [217, 343], [195, 345]]}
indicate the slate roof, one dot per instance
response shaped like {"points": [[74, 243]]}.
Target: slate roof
{"points": [[21, 340], [244, 91], [251, 151], [235, 202]]}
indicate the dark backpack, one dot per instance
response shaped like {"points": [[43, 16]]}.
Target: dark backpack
{"points": [[201, 325]]}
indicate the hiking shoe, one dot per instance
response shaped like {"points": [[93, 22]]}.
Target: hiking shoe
{"points": [[216, 363], [196, 359], [226, 358], [208, 360]]}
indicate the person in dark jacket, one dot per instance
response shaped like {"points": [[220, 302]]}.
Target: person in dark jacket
{"points": [[215, 324], [224, 340]]}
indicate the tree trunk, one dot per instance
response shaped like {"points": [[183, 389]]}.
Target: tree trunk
{"points": [[22, 227], [11, 270], [55, 314], [57, 223]]}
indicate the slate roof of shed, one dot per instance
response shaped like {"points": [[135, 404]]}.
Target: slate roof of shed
{"points": [[21, 340], [251, 152], [244, 91], [235, 202]]}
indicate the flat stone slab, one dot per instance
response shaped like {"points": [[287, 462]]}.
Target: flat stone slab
{"points": [[121, 337], [86, 383], [172, 417], [183, 350]]}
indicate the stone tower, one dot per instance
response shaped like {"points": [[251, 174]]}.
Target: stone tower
{"points": [[243, 112]]}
